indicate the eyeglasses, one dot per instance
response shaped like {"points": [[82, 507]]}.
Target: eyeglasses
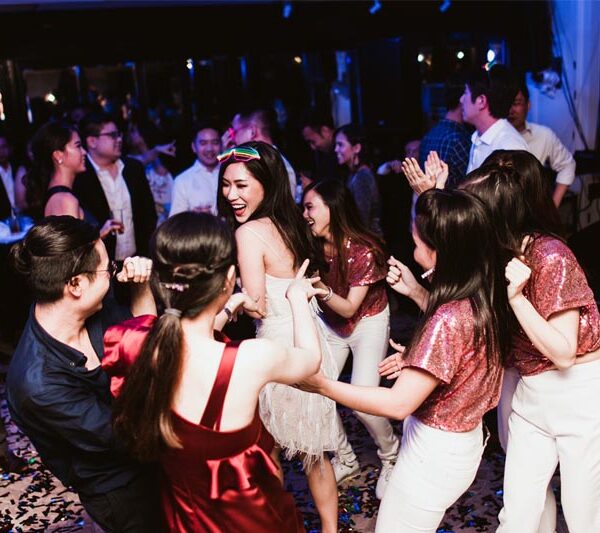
{"points": [[112, 269], [239, 153], [114, 135]]}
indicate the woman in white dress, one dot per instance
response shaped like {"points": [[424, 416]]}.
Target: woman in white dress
{"points": [[273, 240]]}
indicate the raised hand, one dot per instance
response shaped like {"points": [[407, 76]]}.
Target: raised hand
{"points": [[517, 274], [400, 278], [243, 301], [135, 270], [167, 149], [111, 226], [436, 168], [304, 286], [417, 179], [392, 364]]}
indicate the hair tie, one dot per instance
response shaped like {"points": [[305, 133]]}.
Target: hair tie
{"points": [[173, 311]]}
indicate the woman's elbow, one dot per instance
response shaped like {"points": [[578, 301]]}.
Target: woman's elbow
{"points": [[316, 362], [564, 363]]}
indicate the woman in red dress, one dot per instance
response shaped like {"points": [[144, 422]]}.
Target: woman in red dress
{"points": [[190, 399]]}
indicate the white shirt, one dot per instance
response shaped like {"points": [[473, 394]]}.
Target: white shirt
{"points": [[9, 183], [194, 188], [291, 174], [546, 146], [119, 202], [500, 136]]}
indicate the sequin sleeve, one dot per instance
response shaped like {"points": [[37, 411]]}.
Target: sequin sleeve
{"points": [[362, 266], [558, 282], [447, 335]]}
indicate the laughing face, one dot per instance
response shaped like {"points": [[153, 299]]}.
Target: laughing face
{"points": [[317, 215], [242, 190]]}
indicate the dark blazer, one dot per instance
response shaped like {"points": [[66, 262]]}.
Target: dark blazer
{"points": [[91, 196]]}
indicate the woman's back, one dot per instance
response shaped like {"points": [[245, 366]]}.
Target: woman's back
{"points": [[222, 480]]}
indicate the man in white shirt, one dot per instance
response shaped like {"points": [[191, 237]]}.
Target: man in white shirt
{"points": [[115, 188], [258, 126], [485, 104], [12, 190], [544, 144], [196, 189]]}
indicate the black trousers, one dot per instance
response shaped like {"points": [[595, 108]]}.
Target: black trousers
{"points": [[130, 509]]}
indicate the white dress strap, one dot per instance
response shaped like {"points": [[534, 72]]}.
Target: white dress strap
{"points": [[265, 242]]}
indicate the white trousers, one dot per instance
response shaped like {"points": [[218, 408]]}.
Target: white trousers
{"points": [[555, 419], [509, 385], [368, 343], [434, 468]]}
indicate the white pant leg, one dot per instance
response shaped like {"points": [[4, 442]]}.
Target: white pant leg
{"points": [[369, 344], [340, 349], [509, 384], [555, 419], [578, 441], [434, 468], [531, 460]]}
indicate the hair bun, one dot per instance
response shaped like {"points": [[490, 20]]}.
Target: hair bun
{"points": [[20, 258]]}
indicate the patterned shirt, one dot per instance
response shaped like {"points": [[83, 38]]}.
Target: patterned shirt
{"points": [[452, 142]]}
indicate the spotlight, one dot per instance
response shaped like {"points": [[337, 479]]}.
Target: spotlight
{"points": [[445, 6], [50, 98], [420, 58], [297, 60], [286, 10], [491, 55], [460, 54], [375, 7], [190, 64]]}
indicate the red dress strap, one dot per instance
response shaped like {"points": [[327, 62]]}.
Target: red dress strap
{"points": [[214, 408]]}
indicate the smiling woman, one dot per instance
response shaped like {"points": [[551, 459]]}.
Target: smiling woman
{"points": [[273, 241]]}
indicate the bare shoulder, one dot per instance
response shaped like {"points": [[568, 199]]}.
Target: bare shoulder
{"points": [[252, 229], [253, 351], [63, 203]]}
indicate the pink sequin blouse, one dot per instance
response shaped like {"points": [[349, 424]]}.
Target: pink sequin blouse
{"points": [[468, 387], [557, 283], [361, 269]]}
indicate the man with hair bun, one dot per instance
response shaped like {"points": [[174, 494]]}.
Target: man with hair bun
{"points": [[57, 392]]}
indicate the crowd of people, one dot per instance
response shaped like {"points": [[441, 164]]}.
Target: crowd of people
{"points": [[134, 397]]}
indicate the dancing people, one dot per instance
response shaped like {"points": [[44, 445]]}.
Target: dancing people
{"points": [[355, 310], [57, 158], [190, 399], [556, 350], [273, 240], [450, 374]]}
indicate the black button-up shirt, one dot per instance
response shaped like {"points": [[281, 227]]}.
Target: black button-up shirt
{"points": [[65, 409]]}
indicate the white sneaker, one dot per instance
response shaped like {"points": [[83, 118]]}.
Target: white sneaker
{"points": [[344, 471], [384, 478]]}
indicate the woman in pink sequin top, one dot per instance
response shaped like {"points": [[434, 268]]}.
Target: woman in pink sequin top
{"points": [[556, 351], [451, 373], [355, 311]]}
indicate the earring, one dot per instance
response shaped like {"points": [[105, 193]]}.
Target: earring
{"points": [[60, 161]]}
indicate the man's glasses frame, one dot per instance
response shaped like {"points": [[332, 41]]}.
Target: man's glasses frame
{"points": [[112, 269]]}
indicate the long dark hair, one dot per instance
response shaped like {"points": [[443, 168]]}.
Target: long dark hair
{"points": [[50, 137], [192, 253], [356, 135], [278, 204], [457, 225], [345, 223], [512, 184]]}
